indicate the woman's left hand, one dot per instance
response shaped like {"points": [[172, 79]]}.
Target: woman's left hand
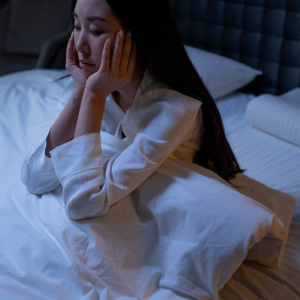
{"points": [[114, 73]]}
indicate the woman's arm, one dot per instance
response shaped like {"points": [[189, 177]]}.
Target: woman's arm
{"points": [[91, 186], [62, 131], [37, 172], [114, 73]]}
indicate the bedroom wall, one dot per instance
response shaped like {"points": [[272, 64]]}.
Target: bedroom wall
{"points": [[30, 29]]}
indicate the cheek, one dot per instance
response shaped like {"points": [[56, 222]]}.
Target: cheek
{"points": [[97, 48], [97, 52]]}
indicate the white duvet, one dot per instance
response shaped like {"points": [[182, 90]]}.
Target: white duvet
{"points": [[181, 235]]}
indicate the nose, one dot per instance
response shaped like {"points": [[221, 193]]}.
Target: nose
{"points": [[82, 44]]}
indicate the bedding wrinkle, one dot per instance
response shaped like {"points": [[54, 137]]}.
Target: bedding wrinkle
{"points": [[87, 262], [276, 164], [255, 289], [138, 249]]}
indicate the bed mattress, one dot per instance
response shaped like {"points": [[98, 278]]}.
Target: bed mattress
{"points": [[266, 159], [275, 163]]}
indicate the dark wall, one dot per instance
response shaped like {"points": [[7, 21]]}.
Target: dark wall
{"points": [[264, 34]]}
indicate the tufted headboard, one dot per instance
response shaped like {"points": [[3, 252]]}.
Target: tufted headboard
{"points": [[264, 34]]}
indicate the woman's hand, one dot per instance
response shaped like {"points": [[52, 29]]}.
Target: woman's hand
{"points": [[114, 73], [72, 64]]}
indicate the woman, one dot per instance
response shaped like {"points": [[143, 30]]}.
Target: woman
{"points": [[132, 78]]}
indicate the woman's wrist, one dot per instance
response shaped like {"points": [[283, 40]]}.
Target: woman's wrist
{"points": [[80, 87], [90, 96], [95, 91], [91, 113]]}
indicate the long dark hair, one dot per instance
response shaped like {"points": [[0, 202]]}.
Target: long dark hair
{"points": [[162, 52], [155, 32]]}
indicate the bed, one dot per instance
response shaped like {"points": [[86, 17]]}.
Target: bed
{"points": [[46, 255]]}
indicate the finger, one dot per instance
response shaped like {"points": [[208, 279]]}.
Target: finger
{"points": [[69, 52], [75, 53], [126, 53], [132, 60], [105, 57], [118, 51]]}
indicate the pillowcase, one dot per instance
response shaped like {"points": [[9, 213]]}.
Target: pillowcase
{"points": [[195, 228], [221, 75], [277, 115], [270, 250]]}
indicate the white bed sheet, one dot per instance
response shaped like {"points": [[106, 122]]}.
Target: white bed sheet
{"points": [[268, 160], [276, 164]]}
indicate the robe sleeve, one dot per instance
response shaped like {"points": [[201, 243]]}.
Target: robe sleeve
{"points": [[164, 120], [38, 173]]}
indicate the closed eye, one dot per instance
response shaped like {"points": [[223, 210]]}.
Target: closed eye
{"points": [[93, 32]]}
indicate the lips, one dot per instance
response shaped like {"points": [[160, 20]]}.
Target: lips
{"points": [[85, 62], [85, 65]]}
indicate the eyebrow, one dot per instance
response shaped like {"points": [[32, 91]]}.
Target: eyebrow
{"points": [[92, 18]]}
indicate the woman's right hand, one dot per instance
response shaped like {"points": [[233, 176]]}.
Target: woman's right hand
{"points": [[72, 64]]}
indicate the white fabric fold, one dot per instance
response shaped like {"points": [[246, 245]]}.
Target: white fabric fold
{"points": [[226, 223], [65, 158], [139, 249], [183, 230], [38, 172]]}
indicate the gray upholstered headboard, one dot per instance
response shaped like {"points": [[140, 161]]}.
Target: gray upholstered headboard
{"points": [[264, 34]]}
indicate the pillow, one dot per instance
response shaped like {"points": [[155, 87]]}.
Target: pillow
{"points": [[195, 228], [277, 115], [270, 250], [220, 74]]}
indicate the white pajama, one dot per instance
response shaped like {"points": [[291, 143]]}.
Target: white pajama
{"points": [[160, 123]]}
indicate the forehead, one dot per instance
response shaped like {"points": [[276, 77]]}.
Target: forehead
{"points": [[86, 8]]}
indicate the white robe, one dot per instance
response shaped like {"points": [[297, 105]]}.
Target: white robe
{"points": [[160, 123]]}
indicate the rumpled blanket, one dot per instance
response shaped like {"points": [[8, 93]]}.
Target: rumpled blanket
{"points": [[180, 235]]}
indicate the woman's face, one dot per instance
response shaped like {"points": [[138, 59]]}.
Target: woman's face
{"points": [[94, 23]]}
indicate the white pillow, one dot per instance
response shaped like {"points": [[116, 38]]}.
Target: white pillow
{"points": [[270, 250], [277, 115], [195, 228], [221, 75]]}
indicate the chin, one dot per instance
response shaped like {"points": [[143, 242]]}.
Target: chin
{"points": [[87, 73]]}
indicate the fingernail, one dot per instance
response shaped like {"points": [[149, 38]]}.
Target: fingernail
{"points": [[108, 42], [121, 33], [129, 34]]}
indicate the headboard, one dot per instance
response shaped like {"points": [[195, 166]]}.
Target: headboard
{"points": [[264, 34]]}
